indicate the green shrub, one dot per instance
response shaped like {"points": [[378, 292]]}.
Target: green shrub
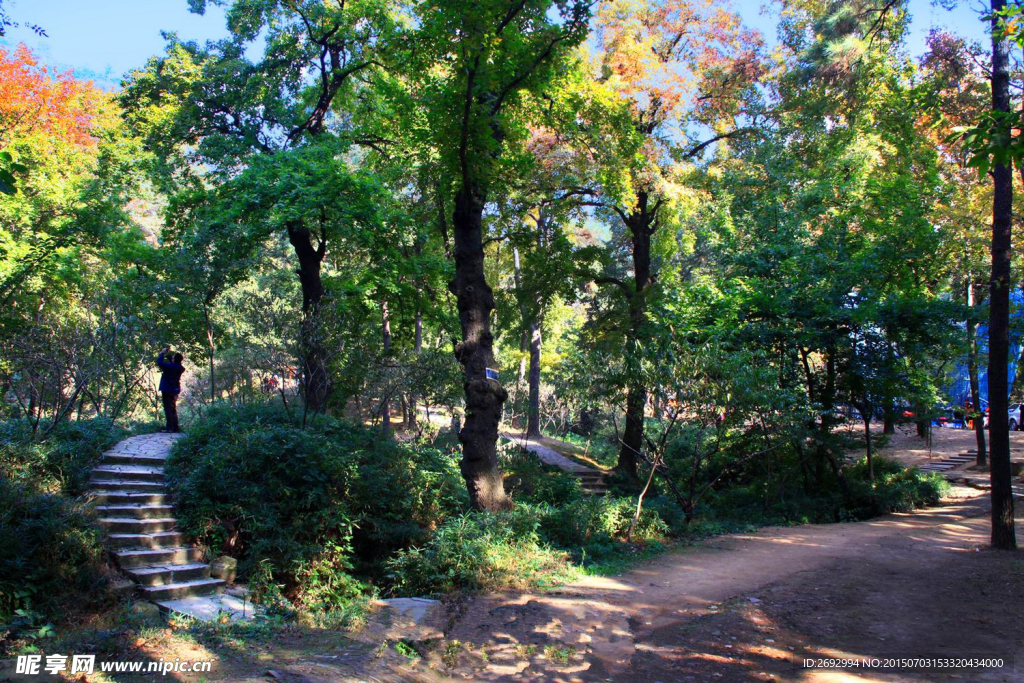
{"points": [[895, 489], [60, 462], [477, 551], [596, 524], [529, 480], [312, 504], [51, 557]]}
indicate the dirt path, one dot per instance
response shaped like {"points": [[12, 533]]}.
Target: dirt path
{"points": [[752, 606]]}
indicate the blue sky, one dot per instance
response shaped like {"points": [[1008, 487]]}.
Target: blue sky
{"points": [[103, 39]]}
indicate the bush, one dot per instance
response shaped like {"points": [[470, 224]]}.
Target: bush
{"points": [[529, 480], [477, 551], [895, 489], [311, 505], [60, 463], [51, 558], [596, 525]]}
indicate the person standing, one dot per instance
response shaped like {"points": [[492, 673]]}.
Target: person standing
{"points": [[171, 370]]}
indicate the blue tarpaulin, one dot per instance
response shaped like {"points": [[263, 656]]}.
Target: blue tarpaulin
{"points": [[959, 389]]}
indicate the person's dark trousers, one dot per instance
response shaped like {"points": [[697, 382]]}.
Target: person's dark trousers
{"points": [[170, 410]]}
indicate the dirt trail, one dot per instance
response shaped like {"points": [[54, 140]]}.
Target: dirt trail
{"points": [[733, 606]]}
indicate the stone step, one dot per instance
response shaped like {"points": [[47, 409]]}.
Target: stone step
{"points": [[127, 485], [136, 472], [158, 556], [129, 498], [163, 575], [136, 511], [130, 525], [1013, 451], [160, 539], [133, 459], [185, 589]]}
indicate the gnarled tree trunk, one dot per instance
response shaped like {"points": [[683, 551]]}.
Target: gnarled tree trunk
{"points": [[484, 396]]}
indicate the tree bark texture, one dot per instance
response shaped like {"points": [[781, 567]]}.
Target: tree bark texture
{"points": [[484, 396]]}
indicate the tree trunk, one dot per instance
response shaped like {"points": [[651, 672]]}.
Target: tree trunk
{"points": [[385, 407], [533, 411], [484, 396], [639, 225], [417, 349], [211, 351], [1003, 535], [972, 373], [889, 419], [316, 383], [867, 440]]}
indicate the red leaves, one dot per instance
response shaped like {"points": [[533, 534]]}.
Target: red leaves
{"points": [[36, 99]]}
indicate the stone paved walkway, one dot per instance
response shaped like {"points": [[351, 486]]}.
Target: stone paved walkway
{"points": [[591, 479]]}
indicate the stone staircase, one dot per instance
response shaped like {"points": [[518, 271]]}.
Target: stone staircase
{"points": [[592, 481], [131, 501], [948, 463], [978, 480]]}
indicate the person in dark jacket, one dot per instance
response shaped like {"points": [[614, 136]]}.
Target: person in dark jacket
{"points": [[170, 385]]}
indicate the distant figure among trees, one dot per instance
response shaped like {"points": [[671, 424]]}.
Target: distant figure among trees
{"points": [[170, 385]]}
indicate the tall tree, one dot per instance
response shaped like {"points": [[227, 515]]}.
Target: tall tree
{"points": [[471, 63], [674, 76], [216, 109], [1003, 533]]}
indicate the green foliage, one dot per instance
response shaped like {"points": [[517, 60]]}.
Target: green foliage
{"points": [[478, 551], [61, 462], [8, 183], [595, 526], [307, 505], [895, 489], [529, 480], [51, 559]]}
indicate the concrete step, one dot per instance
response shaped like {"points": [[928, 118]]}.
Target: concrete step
{"points": [[101, 486], [185, 589], [133, 459], [129, 498], [136, 472], [136, 511], [164, 575], [131, 525], [158, 556], [1013, 451], [160, 539]]}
